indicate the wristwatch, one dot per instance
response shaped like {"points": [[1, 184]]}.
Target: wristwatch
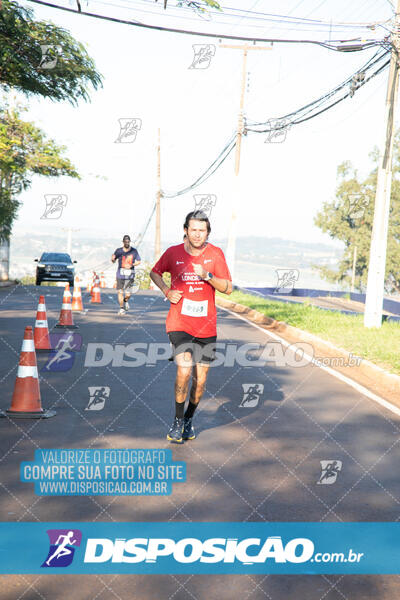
{"points": [[209, 276]]}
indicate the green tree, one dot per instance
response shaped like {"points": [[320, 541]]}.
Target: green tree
{"points": [[25, 151], [349, 218], [40, 58]]}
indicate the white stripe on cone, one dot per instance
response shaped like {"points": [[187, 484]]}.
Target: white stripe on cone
{"points": [[41, 308], [28, 346], [40, 323], [24, 371], [66, 306]]}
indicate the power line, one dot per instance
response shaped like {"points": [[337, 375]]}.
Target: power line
{"points": [[356, 47], [305, 113], [222, 156], [249, 15]]}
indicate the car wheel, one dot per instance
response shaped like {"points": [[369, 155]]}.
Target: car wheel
{"points": [[38, 281]]}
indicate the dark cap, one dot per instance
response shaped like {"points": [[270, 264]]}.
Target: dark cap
{"points": [[126, 237]]}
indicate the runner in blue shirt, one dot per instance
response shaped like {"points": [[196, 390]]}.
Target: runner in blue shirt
{"points": [[128, 258]]}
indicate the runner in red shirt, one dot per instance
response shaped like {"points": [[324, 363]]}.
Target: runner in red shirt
{"points": [[197, 269]]}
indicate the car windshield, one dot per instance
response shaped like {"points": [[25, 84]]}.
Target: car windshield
{"points": [[55, 257]]}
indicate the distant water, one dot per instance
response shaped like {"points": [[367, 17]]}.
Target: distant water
{"points": [[261, 275]]}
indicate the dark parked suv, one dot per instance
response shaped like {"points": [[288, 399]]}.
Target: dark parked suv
{"points": [[55, 266]]}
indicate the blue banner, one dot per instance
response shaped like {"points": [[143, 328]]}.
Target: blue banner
{"points": [[195, 548]]}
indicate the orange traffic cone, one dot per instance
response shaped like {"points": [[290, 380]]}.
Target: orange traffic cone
{"points": [[67, 293], [26, 402], [102, 281], [66, 320], [77, 297], [115, 285], [41, 332], [96, 298]]}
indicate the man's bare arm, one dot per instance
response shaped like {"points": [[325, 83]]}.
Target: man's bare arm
{"points": [[159, 281], [222, 285], [173, 295]]}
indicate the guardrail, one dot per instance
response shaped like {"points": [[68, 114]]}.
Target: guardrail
{"points": [[284, 295]]}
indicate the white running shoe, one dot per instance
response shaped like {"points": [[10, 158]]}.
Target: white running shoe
{"points": [[122, 311], [126, 303]]}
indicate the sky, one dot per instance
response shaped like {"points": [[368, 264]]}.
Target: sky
{"points": [[280, 187]]}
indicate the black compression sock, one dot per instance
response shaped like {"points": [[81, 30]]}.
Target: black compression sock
{"points": [[190, 410], [179, 408]]}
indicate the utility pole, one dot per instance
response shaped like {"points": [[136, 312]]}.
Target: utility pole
{"points": [[377, 258], [353, 271], [231, 246], [69, 231], [157, 247]]}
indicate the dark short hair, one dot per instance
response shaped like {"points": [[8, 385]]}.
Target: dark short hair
{"points": [[197, 215], [126, 236]]}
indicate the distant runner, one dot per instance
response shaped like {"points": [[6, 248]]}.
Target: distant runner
{"points": [[128, 258], [197, 269]]}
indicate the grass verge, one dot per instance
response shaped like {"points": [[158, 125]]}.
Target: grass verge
{"points": [[380, 346]]}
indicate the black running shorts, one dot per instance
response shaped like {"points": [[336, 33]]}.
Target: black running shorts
{"points": [[201, 349], [125, 284]]}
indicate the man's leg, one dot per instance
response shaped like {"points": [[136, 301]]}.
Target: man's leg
{"points": [[127, 295], [200, 373], [183, 372], [199, 378], [121, 298]]}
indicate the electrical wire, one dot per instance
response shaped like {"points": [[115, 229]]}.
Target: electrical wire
{"points": [[380, 60], [306, 110], [222, 156], [139, 238], [357, 47], [180, 13]]}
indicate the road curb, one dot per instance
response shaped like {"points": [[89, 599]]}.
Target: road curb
{"points": [[366, 373]]}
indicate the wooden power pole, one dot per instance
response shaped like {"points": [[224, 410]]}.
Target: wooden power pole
{"points": [[157, 247], [231, 246], [377, 258]]}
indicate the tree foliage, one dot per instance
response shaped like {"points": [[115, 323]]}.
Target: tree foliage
{"points": [[25, 151], [349, 218], [40, 58]]}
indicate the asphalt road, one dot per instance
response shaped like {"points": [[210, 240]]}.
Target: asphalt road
{"points": [[259, 463]]}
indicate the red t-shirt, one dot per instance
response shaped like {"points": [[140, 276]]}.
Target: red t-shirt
{"points": [[195, 312]]}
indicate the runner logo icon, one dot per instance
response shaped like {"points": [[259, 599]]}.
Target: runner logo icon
{"points": [[98, 396], [62, 547], [329, 471], [251, 394], [62, 357]]}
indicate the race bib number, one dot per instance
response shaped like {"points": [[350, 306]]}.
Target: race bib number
{"points": [[193, 308], [126, 272]]}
